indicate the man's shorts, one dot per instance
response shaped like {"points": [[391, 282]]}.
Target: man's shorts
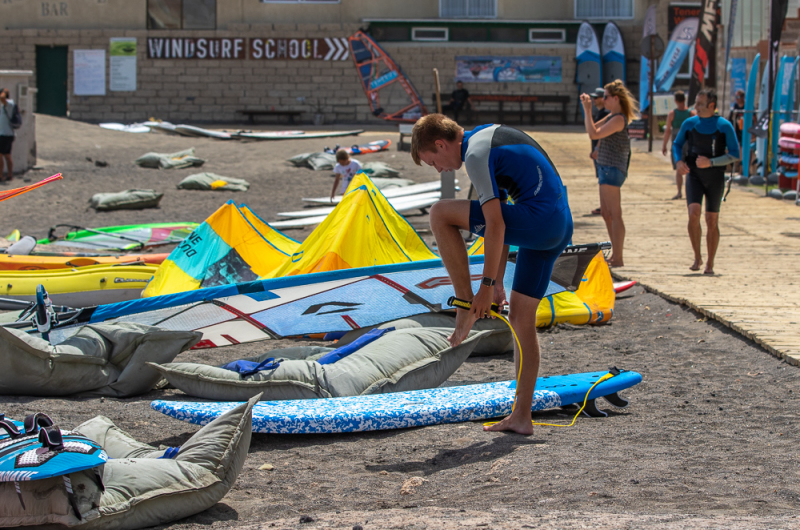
{"points": [[541, 232], [712, 188], [5, 144], [611, 175]]}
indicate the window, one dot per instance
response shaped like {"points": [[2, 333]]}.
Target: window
{"points": [[468, 8], [468, 34], [429, 34], [181, 14], [603, 9], [547, 35], [505, 34], [750, 25]]}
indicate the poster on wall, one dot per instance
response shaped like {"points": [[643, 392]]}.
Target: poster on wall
{"points": [[89, 67], [122, 64], [523, 69]]}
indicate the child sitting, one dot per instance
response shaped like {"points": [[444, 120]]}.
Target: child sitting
{"points": [[345, 170]]}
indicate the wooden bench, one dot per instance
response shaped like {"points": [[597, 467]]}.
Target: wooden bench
{"points": [[251, 114], [538, 106]]}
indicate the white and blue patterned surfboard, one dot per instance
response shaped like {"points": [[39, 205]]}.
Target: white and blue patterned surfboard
{"points": [[403, 409]]}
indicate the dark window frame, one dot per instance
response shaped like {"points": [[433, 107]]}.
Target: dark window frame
{"points": [[182, 18]]}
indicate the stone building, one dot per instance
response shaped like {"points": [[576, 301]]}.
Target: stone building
{"points": [[204, 60]]}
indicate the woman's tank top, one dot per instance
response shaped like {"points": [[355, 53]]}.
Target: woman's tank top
{"points": [[615, 150]]}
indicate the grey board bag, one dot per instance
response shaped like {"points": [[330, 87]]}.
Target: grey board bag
{"points": [[142, 489], [101, 359], [212, 181], [499, 340], [407, 359], [126, 200], [178, 160]]}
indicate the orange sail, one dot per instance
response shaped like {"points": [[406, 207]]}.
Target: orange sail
{"points": [[10, 194]]}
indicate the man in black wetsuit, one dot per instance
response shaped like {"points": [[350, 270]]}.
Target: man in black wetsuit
{"points": [[707, 136]]}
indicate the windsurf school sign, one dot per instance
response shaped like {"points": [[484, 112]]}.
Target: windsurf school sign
{"points": [[320, 49]]}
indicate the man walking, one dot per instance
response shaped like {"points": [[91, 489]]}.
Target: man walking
{"points": [[707, 137], [501, 162]]}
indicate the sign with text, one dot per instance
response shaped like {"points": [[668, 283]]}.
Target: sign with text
{"points": [[89, 67], [199, 48], [526, 69], [328, 49], [122, 64]]}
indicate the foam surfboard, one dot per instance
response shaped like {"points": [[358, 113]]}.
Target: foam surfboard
{"points": [[278, 136], [587, 53], [400, 191], [613, 51], [412, 204], [395, 202], [371, 147], [452, 404], [749, 101]]}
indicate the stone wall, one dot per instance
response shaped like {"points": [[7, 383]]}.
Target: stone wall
{"points": [[212, 90]]}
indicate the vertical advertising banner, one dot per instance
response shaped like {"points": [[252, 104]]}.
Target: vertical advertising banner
{"points": [[738, 76], [644, 73], [89, 72], [122, 64], [704, 48]]}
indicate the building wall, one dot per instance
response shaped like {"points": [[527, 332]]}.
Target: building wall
{"points": [[73, 14]]}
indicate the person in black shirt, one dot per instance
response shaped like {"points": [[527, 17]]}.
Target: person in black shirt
{"points": [[458, 99]]}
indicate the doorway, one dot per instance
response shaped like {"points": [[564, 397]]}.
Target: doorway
{"points": [[51, 80]]}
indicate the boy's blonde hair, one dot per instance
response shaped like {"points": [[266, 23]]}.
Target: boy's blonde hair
{"points": [[427, 130], [342, 155]]}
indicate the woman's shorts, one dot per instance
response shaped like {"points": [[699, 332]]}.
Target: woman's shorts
{"points": [[610, 175], [540, 232], [5, 144]]}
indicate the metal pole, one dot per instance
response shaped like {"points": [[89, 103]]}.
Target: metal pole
{"points": [[650, 92], [448, 177]]}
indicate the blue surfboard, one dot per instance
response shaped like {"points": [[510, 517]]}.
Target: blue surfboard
{"points": [[613, 50], [749, 102], [781, 87], [400, 410], [587, 53], [27, 458]]}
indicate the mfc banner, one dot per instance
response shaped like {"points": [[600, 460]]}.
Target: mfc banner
{"points": [[704, 48]]}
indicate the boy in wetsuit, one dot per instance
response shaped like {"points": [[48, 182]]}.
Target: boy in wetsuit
{"points": [[707, 137], [501, 162]]}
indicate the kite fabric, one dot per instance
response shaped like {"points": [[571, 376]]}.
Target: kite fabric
{"points": [[232, 246], [364, 230], [10, 194]]}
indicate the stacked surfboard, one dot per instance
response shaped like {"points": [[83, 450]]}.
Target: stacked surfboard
{"points": [[788, 158]]}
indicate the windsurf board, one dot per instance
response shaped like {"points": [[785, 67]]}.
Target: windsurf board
{"points": [[304, 135], [587, 53], [763, 106], [395, 202], [199, 132], [620, 287], [371, 147], [613, 51], [132, 128], [747, 122], [413, 203], [451, 404], [401, 191]]}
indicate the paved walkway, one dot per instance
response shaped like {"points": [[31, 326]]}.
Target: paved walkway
{"points": [[755, 290]]}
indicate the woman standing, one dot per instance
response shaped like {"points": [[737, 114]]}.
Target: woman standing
{"points": [[613, 156]]}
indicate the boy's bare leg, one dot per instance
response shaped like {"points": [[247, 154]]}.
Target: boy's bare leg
{"points": [[695, 234], [520, 315], [9, 166], [679, 182], [448, 216]]}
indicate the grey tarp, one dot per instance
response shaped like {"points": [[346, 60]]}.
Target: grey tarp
{"points": [[178, 160], [212, 181], [126, 200]]}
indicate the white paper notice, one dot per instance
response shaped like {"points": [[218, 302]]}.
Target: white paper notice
{"points": [[90, 72], [122, 65]]}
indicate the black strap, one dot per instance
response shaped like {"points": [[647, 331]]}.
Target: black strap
{"points": [[33, 422], [10, 428], [50, 437]]}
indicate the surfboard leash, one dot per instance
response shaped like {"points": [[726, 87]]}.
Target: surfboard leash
{"points": [[465, 304]]}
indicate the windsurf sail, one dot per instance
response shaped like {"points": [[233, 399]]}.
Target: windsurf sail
{"points": [[125, 237], [389, 91], [309, 304], [680, 42], [364, 230], [232, 246], [16, 192]]}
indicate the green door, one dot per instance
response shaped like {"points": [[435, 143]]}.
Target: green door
{"points": [[51, 80]]}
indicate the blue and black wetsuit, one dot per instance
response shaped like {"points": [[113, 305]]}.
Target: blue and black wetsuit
{"points": [[709, 137], [504, 162]]}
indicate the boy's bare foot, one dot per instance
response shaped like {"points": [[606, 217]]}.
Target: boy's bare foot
{"points": [[678, 196], [696, 265], [708, 271], [519, 424], [464, 323]]}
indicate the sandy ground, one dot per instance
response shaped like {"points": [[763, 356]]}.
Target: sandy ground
{"points": [[709, 440]]}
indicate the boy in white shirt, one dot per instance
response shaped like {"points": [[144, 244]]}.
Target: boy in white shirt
{"points": [[345, 170]]}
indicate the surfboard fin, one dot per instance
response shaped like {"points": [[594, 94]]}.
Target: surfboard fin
{"points": [[617, 400], [592, 411]]}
